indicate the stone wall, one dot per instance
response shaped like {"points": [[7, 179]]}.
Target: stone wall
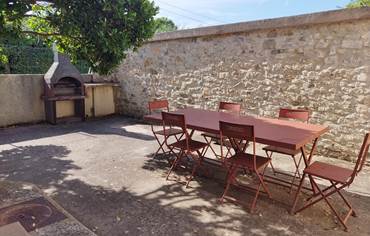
{"points": [[317, 61]]}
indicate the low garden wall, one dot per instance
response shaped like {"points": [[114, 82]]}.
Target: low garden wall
{"points": [[21, 99], [317, 61]]}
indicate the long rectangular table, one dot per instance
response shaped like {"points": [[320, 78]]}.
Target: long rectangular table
{"points": [[269, 131], [277, 132]]}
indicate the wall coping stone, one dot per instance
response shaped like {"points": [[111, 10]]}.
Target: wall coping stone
{"points": [[324, 17]]}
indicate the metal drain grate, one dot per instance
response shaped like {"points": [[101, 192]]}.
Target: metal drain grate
{"points": [[32, 214]]}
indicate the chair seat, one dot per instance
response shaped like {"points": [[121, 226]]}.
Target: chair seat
{"points": [[211, 135], [280, 150], [169, 131], [246, 160], [329, 172], [193, 145]]}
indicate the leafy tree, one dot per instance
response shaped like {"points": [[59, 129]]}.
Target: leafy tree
{"points": [[97, 31], [358, 3], [163, 24], [24, 54]]}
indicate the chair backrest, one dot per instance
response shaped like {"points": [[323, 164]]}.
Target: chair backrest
{"points": [[160, 105], [229, 107], [362, 156], [175, 120], [296, 114], [237, 134], [172, 119]]}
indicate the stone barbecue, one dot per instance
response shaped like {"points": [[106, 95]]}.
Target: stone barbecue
{"points": [[63, 82]]}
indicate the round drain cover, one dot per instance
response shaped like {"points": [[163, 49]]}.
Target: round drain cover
{"points": [[30, 215]]}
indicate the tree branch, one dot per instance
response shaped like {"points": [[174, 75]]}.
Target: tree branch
{"points": [[35, 16], [47, 34], [40, 33]]}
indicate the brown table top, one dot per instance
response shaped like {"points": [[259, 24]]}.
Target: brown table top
{"points": [[277, 132]]}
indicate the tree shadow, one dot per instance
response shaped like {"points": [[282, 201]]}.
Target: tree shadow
{"points": [[43, 164]]}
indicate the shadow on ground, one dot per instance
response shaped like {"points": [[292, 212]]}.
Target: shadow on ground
{"points": [[92, 127], [163, 207], [272, 217], [42, 164]]}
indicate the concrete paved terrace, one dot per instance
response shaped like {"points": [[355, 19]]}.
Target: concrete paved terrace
{"points": [[102, 173]]}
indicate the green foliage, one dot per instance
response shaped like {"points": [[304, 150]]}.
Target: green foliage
{"points": [[163, 24], [99, 32], [26, 59], [22, 55], [21, 59], [358, 3]]}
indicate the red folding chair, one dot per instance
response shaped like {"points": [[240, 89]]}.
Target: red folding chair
{"points": [[186, 147], [229, 107], [338, 177], [296, 114], [159, 106], [242, 160]]}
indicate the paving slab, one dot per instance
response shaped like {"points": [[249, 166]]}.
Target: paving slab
{"points": [[13, 229]]}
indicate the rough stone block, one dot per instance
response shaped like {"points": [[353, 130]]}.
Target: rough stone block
{"points": [[352, 44], [269, 44]]}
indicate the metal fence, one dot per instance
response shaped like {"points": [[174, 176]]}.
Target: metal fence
{"points": [[17, 59]]}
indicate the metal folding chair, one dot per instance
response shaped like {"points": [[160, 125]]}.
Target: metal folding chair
{"points": [[242, 160], [159, 106], [186, 147], [338, 177], [296, 114], [229, 107]]}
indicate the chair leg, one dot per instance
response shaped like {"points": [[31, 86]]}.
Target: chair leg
{"points": [[178, 138], [255, 198], [228, 152], [174, 164], [209, 146], [261, 178], [201, 156], [353, 213], [195, 167], [292, 211], [318, 193], [297, 165], [312, 202], [323, 196], [270, 156], [161, 144], [261, 184], [296, 171], [160, 148], [230, 177]]}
